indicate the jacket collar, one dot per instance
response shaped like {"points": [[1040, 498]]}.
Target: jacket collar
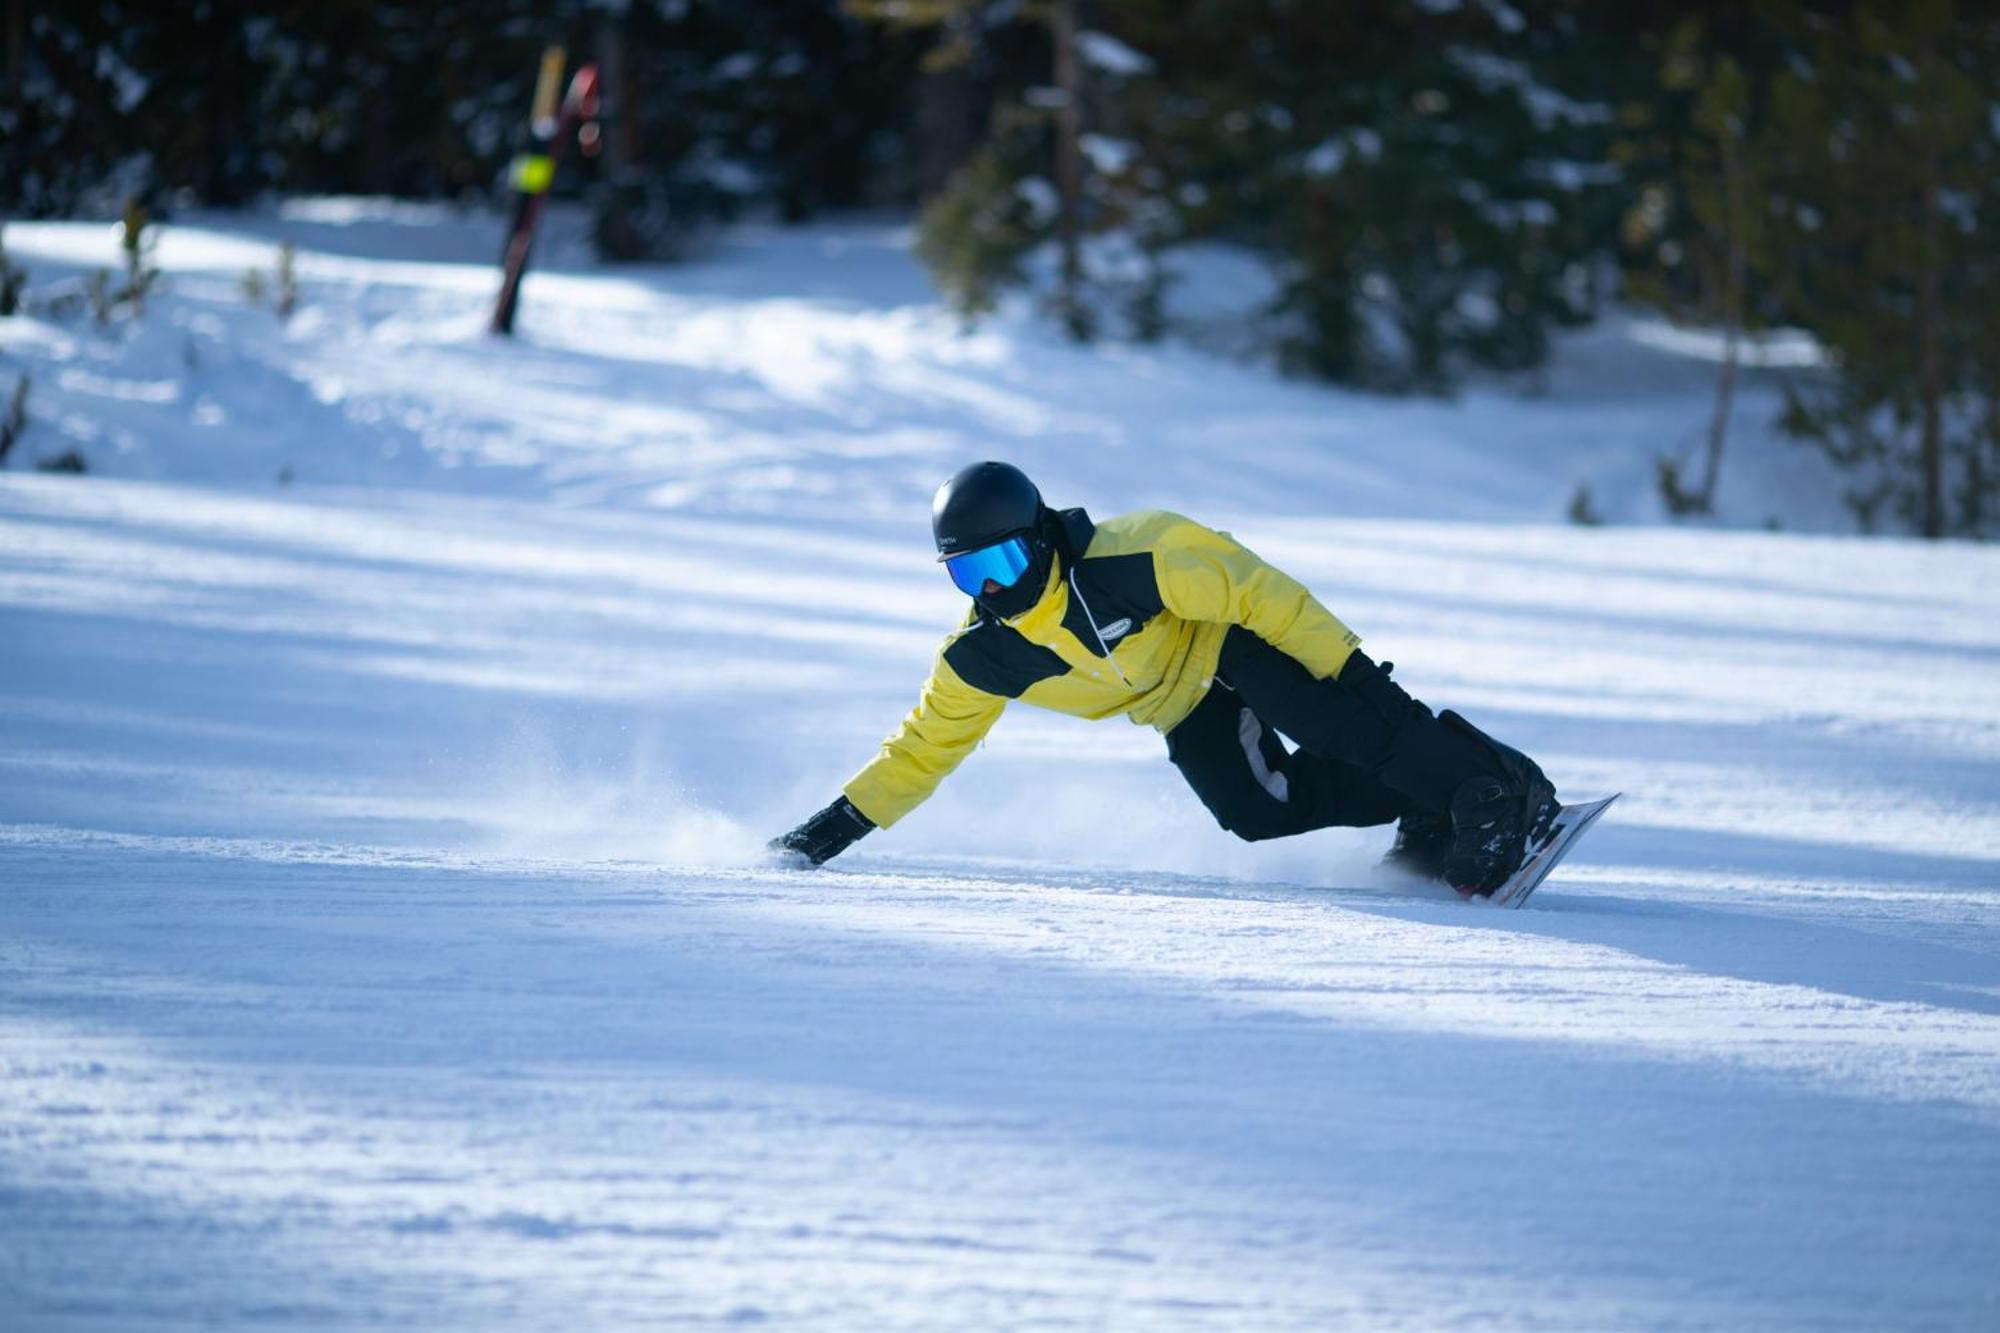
{"points": [[1039, 620], [1073, 531]]}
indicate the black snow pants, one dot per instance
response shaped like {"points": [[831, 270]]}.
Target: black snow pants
{"points": [[1230, 752]]}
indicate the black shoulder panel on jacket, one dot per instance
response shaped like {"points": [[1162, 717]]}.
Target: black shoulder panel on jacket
{"points": [[995, 658], [1076, 530], [1125, 584], [1118, 588]]}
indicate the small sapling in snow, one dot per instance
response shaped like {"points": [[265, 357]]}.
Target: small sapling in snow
{"points": [[282, 288], [1582, 509], [13, 279], [16, 419], [137, 245], [288, 280]]}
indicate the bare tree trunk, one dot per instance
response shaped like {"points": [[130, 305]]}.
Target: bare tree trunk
{"points": [[951, 122], [17, 78], [1933, 380], [1069, 166], [1975, 474], [17, 49], [377, 141], [1930, 330], [621, 144], [1737, 245]]}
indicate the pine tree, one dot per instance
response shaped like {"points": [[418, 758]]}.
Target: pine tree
{"points": [[1889, 194], [786, 103], [975, 234], [1426, 177], [66, 122], [1695, 233], [794, 105]]}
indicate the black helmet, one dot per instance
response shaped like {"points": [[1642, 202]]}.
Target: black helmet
{"points": [[983, 504]]}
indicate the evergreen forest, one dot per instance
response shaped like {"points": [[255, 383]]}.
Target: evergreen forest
{"points": [[1438, 187]]}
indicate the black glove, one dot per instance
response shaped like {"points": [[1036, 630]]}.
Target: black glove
{"points": [[826, 835]]}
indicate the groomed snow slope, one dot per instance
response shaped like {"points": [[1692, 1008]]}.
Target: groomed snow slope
{"points": [[383, 939]]}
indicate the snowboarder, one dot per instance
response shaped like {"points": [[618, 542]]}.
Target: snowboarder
{"points": [[1182, 627]]}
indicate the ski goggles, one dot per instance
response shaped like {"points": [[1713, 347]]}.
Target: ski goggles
{"points": [[1003, 563]]}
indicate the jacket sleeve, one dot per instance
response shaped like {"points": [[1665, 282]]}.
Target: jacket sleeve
{"points": [[949, 721], [1209, 575]]}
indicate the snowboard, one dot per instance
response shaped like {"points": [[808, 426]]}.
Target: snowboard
{"points": [[1572, 823]]}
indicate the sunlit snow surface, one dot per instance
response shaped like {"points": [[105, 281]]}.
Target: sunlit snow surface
{"points": [[383, 939]]}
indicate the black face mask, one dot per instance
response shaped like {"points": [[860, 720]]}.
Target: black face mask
{"points": [[1026, 590]]}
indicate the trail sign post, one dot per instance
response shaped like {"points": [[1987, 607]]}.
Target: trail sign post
{"points": [[534, 171]]}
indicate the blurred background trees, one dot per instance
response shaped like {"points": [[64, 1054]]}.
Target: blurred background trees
{"points": [[1436, 186]]}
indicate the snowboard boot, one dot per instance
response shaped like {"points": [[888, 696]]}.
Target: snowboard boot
{"points": [[1423, 842], [1497, 818], [1496, 803]]}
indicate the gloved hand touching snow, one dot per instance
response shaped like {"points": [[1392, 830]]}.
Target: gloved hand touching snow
{"points": [[824, 836]]}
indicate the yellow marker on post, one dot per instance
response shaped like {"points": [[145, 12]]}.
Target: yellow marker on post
{"points": [[532, 173]]}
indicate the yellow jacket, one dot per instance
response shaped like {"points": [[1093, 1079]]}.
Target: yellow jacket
{"points": [[1133, 626]]}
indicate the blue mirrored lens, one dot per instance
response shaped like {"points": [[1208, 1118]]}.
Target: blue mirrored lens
{"points": [[1003, 563]]}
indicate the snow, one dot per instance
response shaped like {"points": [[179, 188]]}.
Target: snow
{"points": [[1544, 105], [1107, 154], [814, 368], [1102, 51], [1327, 158], [384, 940], [1575, 176], [1330, 155], [1041, 197]]}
